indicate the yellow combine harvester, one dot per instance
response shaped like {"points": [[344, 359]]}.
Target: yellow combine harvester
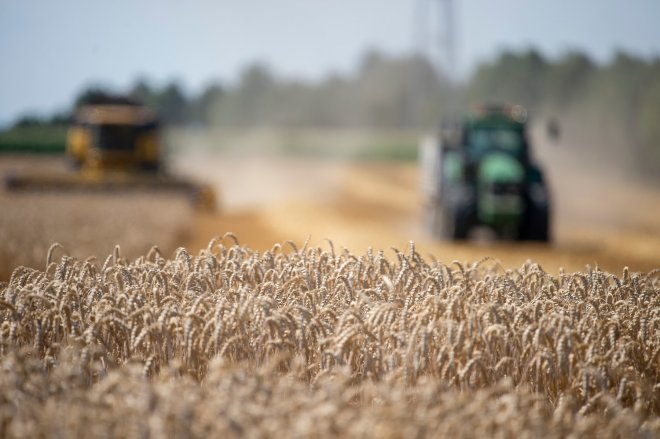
{"points": [[114, 145]]}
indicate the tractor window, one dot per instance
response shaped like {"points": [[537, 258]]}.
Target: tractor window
{"points": [[484, 139], [116, 137]]}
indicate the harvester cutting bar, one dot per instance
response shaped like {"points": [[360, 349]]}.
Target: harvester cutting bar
{"points": [[201, 197]]}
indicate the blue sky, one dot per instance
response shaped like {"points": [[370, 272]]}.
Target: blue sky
{"points": [[50, 49]]}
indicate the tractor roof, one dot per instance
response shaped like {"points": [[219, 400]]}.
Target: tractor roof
{"points": [[497, 114], [115, 114]]}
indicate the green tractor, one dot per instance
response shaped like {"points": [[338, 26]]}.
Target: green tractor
{"points": [[481, 174]]}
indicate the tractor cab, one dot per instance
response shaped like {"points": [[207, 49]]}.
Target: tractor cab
{"points": [[495, 129]]}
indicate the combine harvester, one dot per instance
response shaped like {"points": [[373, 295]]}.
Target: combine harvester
{"points": [[480, 173], [114, 146]]}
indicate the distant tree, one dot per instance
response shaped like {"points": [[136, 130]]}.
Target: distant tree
{"points": [[398, 92], [61, 118], [171, 104], [251, 101], [34, 121], [513, 77], [144, 92], [202, 107], [648, 125], [256, 79], [91, 94], [568, 79], [29, 121]]}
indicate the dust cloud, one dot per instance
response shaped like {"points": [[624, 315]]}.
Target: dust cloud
{"points": [[601, 217]]}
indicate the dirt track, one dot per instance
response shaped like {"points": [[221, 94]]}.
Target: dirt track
{"points": [[600, 219]]}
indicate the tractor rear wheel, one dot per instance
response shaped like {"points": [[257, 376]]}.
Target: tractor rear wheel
{"points": [[455, 222], [536, 226]]}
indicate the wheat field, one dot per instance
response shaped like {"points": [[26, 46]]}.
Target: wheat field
{"points": [[313, 341]]}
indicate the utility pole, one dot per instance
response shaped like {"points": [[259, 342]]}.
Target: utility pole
{"points": [[450, 61], [448, 39], [435, 34], [436, 40]]}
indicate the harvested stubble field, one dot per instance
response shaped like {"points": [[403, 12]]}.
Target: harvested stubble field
{"points": [[319, 342], [86, 224]]}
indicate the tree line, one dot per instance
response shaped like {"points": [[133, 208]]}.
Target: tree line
{"points": [[615, 105]]}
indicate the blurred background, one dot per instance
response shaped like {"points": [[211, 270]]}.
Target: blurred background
{"points": [[305, 117]]}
